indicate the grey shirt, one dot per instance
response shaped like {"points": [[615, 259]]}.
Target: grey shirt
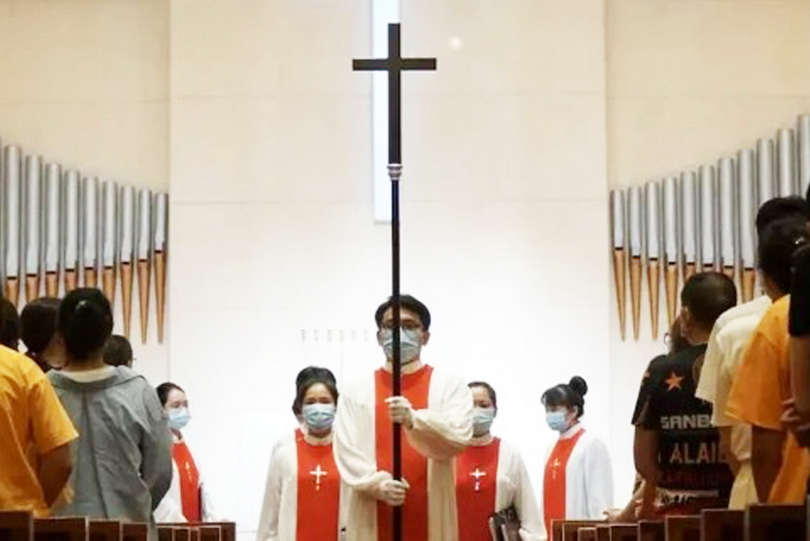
{"points": [[123, 457]]}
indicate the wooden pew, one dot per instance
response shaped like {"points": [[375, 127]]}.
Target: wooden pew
{"points": [[570, 528], [683, 528], [651, 530], [586, 534], [210, 533], [61, 529], [722, 525], [16, 526], [623, 532], [134, 531], [603, 532], [105, 530], [227, 529], [764, 522]]}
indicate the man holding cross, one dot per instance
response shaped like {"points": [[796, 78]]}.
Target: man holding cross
{"points": [[435, 412]]}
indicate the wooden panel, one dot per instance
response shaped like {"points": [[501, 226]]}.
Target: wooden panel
{"points": [[135, 531], [586, 534], [16, 526], [722, 525], [61, 529], [771, 522], [623, 532], [651, 530], [686, 528], [210, 533], [182, 534], [603, 533], [570, 528], [105, 530], [228, 529], [165, 533]]}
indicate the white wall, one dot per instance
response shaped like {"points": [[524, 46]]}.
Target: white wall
{"points": [[504, 202]]}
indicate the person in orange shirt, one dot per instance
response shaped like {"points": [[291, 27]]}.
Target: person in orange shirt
{"points": [[36, 435], [762, 386]]}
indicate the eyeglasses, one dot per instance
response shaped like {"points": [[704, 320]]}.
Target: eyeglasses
{"points": [[407, 325]]}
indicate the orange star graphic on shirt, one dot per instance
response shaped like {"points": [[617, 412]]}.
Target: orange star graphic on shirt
{"points": [[674, 382]]}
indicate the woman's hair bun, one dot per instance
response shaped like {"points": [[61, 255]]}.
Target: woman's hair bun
{"points": [[578, 385]]}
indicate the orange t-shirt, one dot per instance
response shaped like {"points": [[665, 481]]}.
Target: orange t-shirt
{"points": [[761, 386], [32, 423]]}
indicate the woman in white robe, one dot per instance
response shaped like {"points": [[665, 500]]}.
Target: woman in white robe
{"points": [[578, 478], [303, 498], [491, 477], [188, 499]]}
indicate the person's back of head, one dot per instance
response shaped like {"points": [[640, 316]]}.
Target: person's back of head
{"points": [[704, 297], [85, 324], [778, 243], [9, 325], [781, 208], [38, 323], [118, 351]]}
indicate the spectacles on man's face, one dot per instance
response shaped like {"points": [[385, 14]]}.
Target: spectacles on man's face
{"points": [[405, 324]]}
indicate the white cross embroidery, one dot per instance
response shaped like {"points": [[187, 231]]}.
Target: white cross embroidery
{"points": [[478, 474], [554, 466], [318, 473]]}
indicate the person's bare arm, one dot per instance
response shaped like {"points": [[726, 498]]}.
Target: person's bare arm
{"points": [[55, 468], [726, 450], [766, 459], [800, 373], [645, 454]]}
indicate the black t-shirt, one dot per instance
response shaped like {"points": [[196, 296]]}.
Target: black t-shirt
{"points": [[800, 293], [688, 445]]}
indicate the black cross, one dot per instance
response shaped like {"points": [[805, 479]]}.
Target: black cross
{"points": [[394, 65]]}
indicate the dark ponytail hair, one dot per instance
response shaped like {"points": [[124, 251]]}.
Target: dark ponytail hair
{"points": [[85, 323], [571, 395]]}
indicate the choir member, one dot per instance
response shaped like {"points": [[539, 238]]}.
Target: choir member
{"points": [[302, 498], [10, 329], [38, 332], [36, 433], [122, 465], [435, 412], [118, 351], [762, 386], [187, 500], [491, 477], [676, 449], [578, 477]]}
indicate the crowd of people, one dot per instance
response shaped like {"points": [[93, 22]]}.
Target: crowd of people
{"points": [[722, 419]]}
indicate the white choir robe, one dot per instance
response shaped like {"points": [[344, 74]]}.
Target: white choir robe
{"points": [[514, 487], [279, 516], [588, 478], [439, 433]]}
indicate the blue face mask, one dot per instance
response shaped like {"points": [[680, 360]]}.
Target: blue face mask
{"points": [[319, 417], [410, 344], [482, 420], [178, 418], [557, 420]]}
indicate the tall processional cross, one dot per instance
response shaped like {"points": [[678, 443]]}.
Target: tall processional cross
{"points": [[394, 64]]}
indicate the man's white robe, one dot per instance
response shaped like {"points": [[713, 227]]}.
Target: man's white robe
{"points": [[439, 433]]}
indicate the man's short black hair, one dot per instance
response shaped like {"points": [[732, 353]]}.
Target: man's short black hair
{"points": [[10, 328], [707, 295], [409, 302], [780, 208], [118, 351], [778, 243]]}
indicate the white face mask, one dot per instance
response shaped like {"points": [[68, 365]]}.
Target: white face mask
{"points": [[410, 344], [482, 420]]}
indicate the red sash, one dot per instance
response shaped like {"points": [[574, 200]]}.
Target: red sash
{"points": [[189, 482], [476, 487], [415, 388], [318, 492], [554, 479]]}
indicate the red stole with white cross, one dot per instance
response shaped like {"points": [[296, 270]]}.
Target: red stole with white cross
{"points": [[476, 489], [415, 387], [554, 480], [318, 492]]}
